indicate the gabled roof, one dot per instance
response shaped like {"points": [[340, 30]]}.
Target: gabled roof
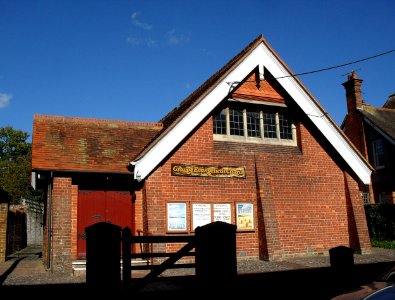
{"points": [[86, 144], [381, 119], [258, 54]]}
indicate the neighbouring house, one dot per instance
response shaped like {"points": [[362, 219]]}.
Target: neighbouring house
{"points": [[251, 146], [372, 130]]}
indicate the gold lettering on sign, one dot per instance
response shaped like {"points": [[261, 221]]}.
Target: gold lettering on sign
{"points": [[207, 171]]}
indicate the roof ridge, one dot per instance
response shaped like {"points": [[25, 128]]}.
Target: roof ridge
{"points": [[379, 108], [94, 120]]}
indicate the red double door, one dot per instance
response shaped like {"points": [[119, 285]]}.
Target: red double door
{"points": [[114, 207]]}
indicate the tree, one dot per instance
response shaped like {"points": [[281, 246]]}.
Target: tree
{"points": [[15, 165]]}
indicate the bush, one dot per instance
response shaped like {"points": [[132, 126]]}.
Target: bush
{"points": [[383, 244], [381, 221]]}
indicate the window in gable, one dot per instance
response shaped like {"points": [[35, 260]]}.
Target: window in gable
{"points": [[270, 127], [253, 124], [378, 154], [236, 122], [220, 123], [257, 124], [285, 127]]}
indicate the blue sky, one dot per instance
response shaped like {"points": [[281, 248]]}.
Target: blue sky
{"points": [[137, 60]]}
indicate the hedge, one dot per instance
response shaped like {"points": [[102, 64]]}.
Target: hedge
{"points": [[381, 221]]}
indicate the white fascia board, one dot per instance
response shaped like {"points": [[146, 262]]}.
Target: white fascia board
{"points": [[318, 117], [260, 56], [170, 141]]}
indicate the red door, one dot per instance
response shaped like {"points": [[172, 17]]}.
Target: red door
{"points": [[102, 206]]}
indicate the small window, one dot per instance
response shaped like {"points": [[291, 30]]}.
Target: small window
{"points": [[269, 121], [236, 122], [365, 198], [285, 127], [220, 123], [253, 124], [382, 197], [378, 153]]}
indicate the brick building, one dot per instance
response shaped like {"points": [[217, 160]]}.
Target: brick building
{"points": [[251, 146], [372, 130]]}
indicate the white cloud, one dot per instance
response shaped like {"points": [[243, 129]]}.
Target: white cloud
{"points": [[138, 23], [5, 99], [135, 41], [173, 37]]}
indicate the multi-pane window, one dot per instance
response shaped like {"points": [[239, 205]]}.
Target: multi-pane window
{"points": [[220, 123], [236, 122], [285, 127], [254, 126], [365, 198], [269, 123], [378, 153]]}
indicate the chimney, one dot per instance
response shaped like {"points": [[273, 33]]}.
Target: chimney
{"points": [[353, 92], [390, 102]]}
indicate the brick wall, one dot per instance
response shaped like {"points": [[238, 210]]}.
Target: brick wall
{"points": [[299, 194], [3, 229], [74, 215], [61, 225]]}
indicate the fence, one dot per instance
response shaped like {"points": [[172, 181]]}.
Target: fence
{"points": [[214, 258]]}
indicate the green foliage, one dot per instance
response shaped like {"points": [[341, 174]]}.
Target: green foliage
{"points": [[13, 144], [15, 165], [383, 244], [381, 221]]}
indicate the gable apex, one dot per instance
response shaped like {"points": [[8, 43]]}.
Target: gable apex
{"points": [[256, 88], [258, 54]]}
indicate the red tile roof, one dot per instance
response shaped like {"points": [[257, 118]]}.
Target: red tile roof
{"points": [[87, 144]]}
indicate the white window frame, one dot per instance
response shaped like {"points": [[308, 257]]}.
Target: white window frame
{"points": [[365, 198], [262, 140]]}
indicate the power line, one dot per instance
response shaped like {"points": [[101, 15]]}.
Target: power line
{"points": [[324, 69], [339, 66]]}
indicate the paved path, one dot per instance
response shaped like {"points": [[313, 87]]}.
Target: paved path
{"points": [[25, 272]]}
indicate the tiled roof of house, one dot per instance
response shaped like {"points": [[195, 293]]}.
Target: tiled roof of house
{"points": [[87, 144], [382, 118]]}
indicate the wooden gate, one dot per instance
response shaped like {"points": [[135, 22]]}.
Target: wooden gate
{"points": [[113, 207]]}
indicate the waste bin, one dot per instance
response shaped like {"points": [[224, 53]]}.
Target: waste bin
{"points": [[103, 255], [341, 257], [215, 252]]}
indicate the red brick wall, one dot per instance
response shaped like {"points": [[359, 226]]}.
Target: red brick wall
{"points": [[74, 215], [299, 196], [61, 225], [3, 229], [45, 227]]}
